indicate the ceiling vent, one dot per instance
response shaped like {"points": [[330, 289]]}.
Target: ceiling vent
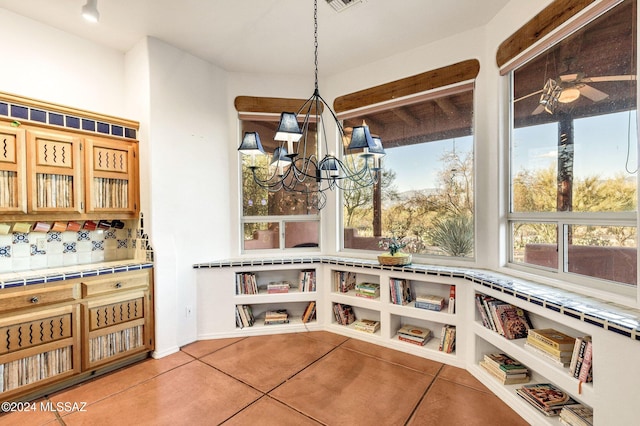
{"points": [[340, 5]]}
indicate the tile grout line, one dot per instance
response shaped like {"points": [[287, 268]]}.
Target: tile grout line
{"points": [[415, 408]]}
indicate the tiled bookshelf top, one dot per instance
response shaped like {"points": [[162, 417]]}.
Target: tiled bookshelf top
{"points": [[607, 315], [69, 273]]}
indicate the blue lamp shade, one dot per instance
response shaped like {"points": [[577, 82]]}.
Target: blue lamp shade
{"points": [[251, 144], [288, 129], [329, 164], [280, 157], [378, 150], [361, 138]]}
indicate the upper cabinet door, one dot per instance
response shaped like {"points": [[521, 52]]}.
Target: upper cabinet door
{"points": [[111, 179], [13, 193], [55, 172]]}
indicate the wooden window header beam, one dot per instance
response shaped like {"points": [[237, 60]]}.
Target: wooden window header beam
{"points": [[269, 105], [445, 76], [542, 25]]}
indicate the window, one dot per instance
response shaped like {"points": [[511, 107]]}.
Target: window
{"points": [[273, 220], [424, 196], [573, 155]]}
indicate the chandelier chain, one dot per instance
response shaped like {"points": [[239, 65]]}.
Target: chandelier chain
{"points": [[315, 40]]}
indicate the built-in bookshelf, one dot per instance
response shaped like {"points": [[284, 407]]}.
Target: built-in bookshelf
{"points": [[612, 329], [274, 299], [492, 336]]}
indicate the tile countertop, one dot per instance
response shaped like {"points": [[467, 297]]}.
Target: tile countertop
{"points": [[40, 276], [607, 315]]}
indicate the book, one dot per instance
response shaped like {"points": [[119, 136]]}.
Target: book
{"points": [[564, 355], [505, 363], [413, 330], [344, 281], [546, 397], [430, 302], [279, 316], [368, 290], [585, 375], [560, 362], [309, 312], [574, 355], [343, 314], [451, 307], [400, 291], [513, 321], [577, 415], [307, 280], [414, 333], [504, 379], [369, 326], [553, 338], [447, 339]]}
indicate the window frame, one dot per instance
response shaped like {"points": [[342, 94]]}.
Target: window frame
{"points": [[561, 276]]}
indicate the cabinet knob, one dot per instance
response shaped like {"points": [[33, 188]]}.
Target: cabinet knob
{"points": [[34, 299], [118, 285]]}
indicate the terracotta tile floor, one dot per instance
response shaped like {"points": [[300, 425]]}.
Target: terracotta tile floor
{"points": [[315, 378]]}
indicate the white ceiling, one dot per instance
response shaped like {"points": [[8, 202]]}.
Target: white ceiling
{"points": [[273, 36]]}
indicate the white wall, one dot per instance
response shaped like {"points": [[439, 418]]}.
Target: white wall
{"points": [[44, 63], [188, 168]]}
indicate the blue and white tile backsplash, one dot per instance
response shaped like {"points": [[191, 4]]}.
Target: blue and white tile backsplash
{"points": [[41, 250]]}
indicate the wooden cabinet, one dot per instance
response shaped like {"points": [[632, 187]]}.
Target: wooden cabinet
{"points": [[111, 176], [13, 196], [116, 318], [54, 172], [60, 333], [51, 175]]}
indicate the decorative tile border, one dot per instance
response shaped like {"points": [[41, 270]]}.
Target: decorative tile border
{"points": [[609, 316], [54, 118], [90, 272]]}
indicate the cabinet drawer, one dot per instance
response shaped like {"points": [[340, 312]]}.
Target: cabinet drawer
{"points": [[115, 283], [36, 295]]}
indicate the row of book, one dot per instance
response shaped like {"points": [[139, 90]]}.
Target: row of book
{"points": [[245, 317], [309, 313], [54, 191], [34, 368], [343, 314], [505, 319], [581, 364], [400, 291], [111, 344], [246, 283], [344, 281], [110, 193], [447, 339], [307, 280], [8, 189]]}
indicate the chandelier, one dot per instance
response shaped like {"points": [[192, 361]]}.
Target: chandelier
{"points": [[295, 165]]}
